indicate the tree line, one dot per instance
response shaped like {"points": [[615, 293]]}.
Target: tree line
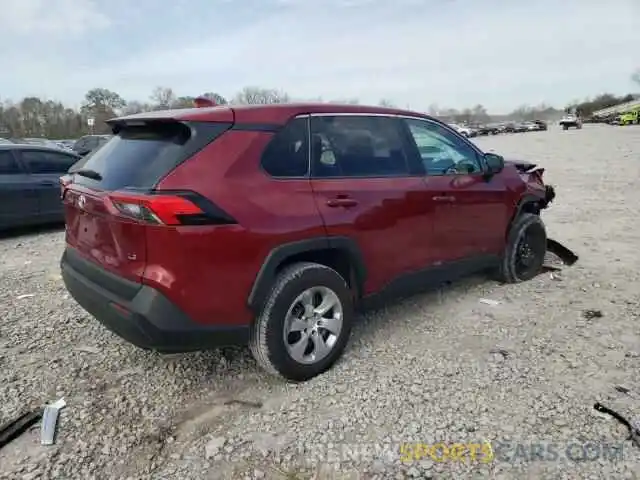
{"points": [[36, 117]]}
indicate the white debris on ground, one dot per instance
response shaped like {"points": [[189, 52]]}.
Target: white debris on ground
{"points": [[437, 367]]}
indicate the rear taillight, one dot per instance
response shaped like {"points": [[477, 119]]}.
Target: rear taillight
{"points": [[182, 208]]}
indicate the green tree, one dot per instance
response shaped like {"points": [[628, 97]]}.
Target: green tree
{"points": [[101, 104]]}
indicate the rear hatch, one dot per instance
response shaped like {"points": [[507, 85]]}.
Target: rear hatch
{"points": [[106, 194]]}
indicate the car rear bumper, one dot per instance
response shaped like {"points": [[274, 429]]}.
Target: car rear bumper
{"points": [[140, 314]]}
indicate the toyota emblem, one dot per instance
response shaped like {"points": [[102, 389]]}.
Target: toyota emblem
{"points": [[82, 201]]}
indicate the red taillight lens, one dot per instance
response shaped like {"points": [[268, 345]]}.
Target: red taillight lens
{"points": [[155, 209]]}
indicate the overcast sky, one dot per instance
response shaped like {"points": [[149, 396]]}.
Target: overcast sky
{"points": [[455, 53]]}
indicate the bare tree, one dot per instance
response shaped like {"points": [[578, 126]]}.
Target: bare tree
{"points": [[256, 95], [162, 98], [216, 97], [386, 103], [479, 114], [135, 107], [434, 110]]}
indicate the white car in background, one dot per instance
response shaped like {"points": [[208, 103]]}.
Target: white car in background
{"points": [[463, 130]]}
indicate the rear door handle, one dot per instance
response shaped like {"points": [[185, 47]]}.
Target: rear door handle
{"points": [[342, 202], [443, 198]]}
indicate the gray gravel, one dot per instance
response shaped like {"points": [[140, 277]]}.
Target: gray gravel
{"points": [[441, 366]]}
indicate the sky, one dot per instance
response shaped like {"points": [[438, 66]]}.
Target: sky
{"points": [[415, 53]]}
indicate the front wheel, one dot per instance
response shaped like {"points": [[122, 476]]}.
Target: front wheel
{"points": [[305, 323], [525, 251]]}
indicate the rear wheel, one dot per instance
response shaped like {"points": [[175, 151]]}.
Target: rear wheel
{"points": [[525, 251], [305, 323]]}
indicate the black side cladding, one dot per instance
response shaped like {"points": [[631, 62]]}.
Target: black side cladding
{"points": [[142, 153]]}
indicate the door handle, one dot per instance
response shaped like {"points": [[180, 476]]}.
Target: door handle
{"points": [[443, 198], [342, 202]]}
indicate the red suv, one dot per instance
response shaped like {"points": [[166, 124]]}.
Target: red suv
{"points": [[270, 224]]}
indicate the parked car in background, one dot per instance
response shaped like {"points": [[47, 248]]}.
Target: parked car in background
{"points": [[630, 118], [89, 143], [541, 125], [4, 141], [30, 184], [571, 121], [496, 128], [489, 129], [520, 127], [43, 142], [531, 126], [65, 144], [507, 127], [481, 130], [465, 130]]}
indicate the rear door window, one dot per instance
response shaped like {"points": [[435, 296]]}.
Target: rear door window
{"points": [[47, 162], [357, 146], [9, 164], [137, 157], [287, 155]]}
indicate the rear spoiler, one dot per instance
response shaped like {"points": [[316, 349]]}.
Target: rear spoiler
{"points": [[204, 110]]}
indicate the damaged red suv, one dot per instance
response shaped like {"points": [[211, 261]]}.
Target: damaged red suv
{"points": [[269, 225]]}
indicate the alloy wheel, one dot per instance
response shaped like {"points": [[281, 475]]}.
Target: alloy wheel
{"points": [[313, 325]]}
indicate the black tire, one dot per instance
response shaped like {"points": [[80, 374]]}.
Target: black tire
{"points": [[565, 127], [530, 228], [267, 341]]}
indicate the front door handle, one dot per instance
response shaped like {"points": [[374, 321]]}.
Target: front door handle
{"points": [[444, 198], [342, 202]]}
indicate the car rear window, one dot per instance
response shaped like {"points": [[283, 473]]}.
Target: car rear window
{"points": [[137, 157]]}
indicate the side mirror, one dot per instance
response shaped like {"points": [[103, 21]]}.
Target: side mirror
{"points": [[494, 162]]}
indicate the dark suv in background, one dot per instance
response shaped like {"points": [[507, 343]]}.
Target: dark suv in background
{"points": [[30, 184], [89, 143], [270, 224]]}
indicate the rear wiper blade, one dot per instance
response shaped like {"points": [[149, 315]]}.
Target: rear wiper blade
{"points": [[92, 174]]}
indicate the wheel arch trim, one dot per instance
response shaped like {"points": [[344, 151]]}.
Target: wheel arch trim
{"points": [[278, 255]]}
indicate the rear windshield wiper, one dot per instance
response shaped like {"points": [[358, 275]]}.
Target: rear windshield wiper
{"points": [[92, 174]]}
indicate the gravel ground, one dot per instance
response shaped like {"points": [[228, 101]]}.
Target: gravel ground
{"points": [[437, 367]]}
